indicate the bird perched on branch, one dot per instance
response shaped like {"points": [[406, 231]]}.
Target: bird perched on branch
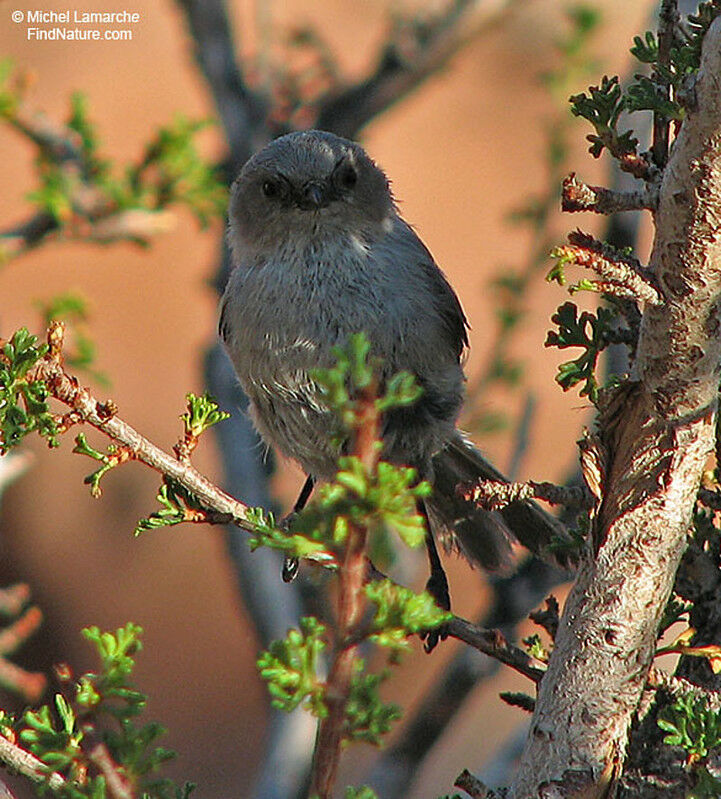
{"points": [[320, 252]]}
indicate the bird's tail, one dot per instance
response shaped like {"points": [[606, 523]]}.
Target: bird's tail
{"points": [[483, 537]]}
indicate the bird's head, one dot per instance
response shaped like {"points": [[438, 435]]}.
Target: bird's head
{"points": [[306, 186]]}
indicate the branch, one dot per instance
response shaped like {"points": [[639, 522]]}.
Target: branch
{"points": [[223, 509], [621, 275], [118, 785], [678, 686], [351, 606], [242, 111], [21, 762], [658, 434], [668, 20], [473, 786], [494, 644], [579, 196], [493, 495], [513, 597], [415, 51]]}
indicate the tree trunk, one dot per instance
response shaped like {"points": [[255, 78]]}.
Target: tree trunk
{"points": [[656, 434]]}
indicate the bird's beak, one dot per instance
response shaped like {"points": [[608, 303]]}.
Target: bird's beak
{"points": [[314, 197]]}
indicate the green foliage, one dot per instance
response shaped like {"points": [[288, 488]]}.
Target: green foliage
{"points": [[354, 375], [534, 646], [267, 534], [109, 461], [101, 707], [684, 59], [603, 104], [691, 724], [380, 500], [76, 181], [9, 95], [202, 413], [571, 544], [73, 310], [174, 499], [367, 718], [172, 171], [364, 792], [23, 403], [602, 107], [675, 610], [644, 95], [290, 667], [588, 331], [399, 613]]}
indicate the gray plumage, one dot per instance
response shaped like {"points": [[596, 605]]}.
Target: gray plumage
{"points": [[320, 252]]}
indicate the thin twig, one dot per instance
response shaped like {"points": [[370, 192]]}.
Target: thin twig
{"points": [[14, 636], [118, 785], [621, 275], [678, 686], [668, 20], [473, 786], [494, 643]]}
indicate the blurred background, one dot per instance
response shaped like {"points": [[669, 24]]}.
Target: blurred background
{"points": [[464, 150]]}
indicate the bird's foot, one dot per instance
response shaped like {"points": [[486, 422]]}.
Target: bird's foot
{"points": [[437, 587], [290, 564]]}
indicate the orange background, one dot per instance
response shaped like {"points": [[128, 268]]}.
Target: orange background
{"points": [[462, 152]]}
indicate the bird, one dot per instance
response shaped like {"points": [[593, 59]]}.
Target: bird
{"points": [[319, 252]]}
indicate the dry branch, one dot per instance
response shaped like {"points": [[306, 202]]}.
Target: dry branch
{"points": [[579, 196]]}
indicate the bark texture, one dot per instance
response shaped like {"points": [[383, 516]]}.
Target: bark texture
{"points": [[655, 435]]}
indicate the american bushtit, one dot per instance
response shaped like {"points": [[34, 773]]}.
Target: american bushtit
{"points": [[321, 252]]}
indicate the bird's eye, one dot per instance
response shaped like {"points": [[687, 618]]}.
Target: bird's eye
{"points": [[347, 176], [271, 189]]}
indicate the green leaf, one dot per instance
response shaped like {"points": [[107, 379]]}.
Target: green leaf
{"points": [[202, 413], [587, 331], [290, 668], [23, 404], [364, 792], [399, 613], [691, 724], [367, 718]]}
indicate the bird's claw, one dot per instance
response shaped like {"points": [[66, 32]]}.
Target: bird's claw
{"points": [[437, 587]]}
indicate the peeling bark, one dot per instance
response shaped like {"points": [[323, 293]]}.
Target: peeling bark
{"points": [[657, 434]]}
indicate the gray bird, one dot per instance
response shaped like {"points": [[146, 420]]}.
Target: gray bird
{"points": [[320, 252]]}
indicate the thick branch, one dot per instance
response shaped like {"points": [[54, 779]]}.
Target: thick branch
{"points": [[658, 435], [241, 110], [415, 52]]}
